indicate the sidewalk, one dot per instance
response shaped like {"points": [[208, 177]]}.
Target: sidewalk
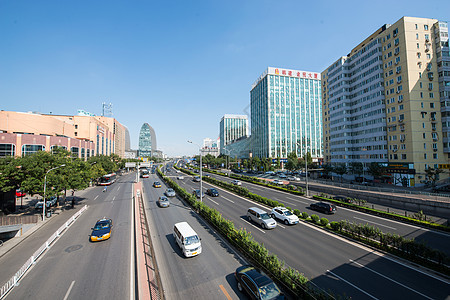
{"points": [[28, 209]]}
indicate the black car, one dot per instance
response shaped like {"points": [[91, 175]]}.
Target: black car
{"points": [[324, 207], [212, 192], [256, 284]]}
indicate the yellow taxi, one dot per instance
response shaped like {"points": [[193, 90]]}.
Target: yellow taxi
{"points": [[101, 230], [156, 184]]}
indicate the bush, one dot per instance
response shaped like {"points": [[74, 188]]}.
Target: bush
{"points": [[336, 226], [304, 215], [315, 218], [324, 221], [297, 212]]}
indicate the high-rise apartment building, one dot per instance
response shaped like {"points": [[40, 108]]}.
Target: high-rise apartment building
{"points": [[386, 101], [147, 141], [232, 128], [286, 114]]}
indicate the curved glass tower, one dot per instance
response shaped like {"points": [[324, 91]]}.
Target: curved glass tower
{"points": [[147, 140]]}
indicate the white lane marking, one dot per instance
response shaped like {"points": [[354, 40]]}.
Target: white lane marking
{"points": [[227, 199], [371, 251], [297, 200], [384, 276], [68, 291], [254, 226], [393, 228], [96, 197], [132, 245], [213, 201], [118, 188], [351, 284], [281, 226], [113, 199]]}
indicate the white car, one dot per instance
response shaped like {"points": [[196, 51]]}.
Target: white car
{"points": [[279, 182], [181, 177], [284, 215], [293, 178], [236, 182]]}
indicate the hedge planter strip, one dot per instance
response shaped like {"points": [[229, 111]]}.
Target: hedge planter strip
{"points": [[408, 249]]}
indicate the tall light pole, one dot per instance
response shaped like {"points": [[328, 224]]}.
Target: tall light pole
{"points": [[45, 187], [201, 167], [228, 158], [306, 168]]}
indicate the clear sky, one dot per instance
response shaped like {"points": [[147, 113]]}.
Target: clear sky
{"points": [[177, 65]]}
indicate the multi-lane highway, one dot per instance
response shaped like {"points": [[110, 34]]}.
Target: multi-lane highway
{"points": [[434, 239], [209, 275], [75, 268], [333, 263]]}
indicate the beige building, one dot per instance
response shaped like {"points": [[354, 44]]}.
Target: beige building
{"points": [[386, 101], [85, 136]]}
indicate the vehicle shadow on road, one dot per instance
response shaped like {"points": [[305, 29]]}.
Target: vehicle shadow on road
{"points": [[218, 238], [174, 245]]}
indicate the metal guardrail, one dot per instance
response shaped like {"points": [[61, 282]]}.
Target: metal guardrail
{"points": [[11, 283]]}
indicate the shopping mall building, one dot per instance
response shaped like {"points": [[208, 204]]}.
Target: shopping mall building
{"points": [[84, 136]]}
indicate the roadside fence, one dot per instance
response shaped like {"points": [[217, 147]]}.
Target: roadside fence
{"points": [[11, 283]]}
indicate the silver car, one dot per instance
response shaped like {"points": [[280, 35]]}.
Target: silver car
{"points": [[170, 193], [261, 217], [163, 201]]}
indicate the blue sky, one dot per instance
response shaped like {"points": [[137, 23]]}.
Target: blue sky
{"points": [[177, 65]]}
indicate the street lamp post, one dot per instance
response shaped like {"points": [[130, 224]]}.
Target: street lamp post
{"points": [[306, 170], [45, 187], [201, 167], [228, 158]]}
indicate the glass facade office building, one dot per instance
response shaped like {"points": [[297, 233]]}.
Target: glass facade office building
{"points": [[286, 114], [232, 128], [147, 141]]}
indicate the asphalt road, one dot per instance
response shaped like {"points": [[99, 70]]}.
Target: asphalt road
{"points": [[435, 239], [333, 263], [75, 268], [209, 275]]}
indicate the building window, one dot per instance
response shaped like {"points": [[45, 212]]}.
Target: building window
{"points": [[428, 56], [421, 94], [74, 152], [424, 135], [425, 27], [7, 150], [432, 105], [435, 156], [403, 156], [424, 145], [417, 36], [417, 27], [418, 46], [400, 107], [54, 148], [31, 149], [431, 95], [425, 156]]}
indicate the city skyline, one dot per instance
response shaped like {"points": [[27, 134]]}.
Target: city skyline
{"points": [[179, 68]]}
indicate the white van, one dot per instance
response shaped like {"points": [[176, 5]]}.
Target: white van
{"points": [[187, 239]]}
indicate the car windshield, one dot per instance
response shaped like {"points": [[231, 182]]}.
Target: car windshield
{"points": [[101, 225], [288, 213], [265, 216], [191, 240], [269, 291]]}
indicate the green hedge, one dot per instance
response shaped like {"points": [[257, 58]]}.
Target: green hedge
{"points": [[389, 215], [289, 277]]}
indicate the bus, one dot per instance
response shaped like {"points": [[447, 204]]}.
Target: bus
{"points": [[107, 179]]}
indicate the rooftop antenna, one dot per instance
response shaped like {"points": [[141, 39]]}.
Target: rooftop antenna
{"points": [[107, 109]]}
